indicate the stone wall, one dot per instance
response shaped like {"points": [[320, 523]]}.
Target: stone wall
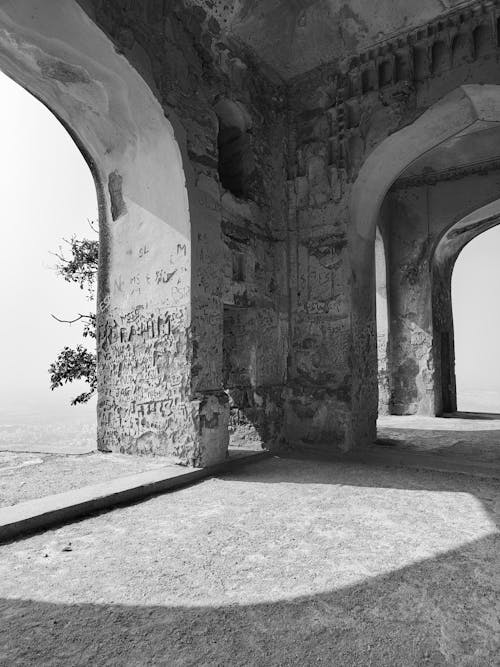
{"points": [[139, 92], [238, 240], [239, 293], [419, 215], [342, 113]]}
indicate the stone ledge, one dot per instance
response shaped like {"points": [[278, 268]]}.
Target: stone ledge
{"points": [[42, 513]]}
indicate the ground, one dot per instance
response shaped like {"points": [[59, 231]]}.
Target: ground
{"points": [[468, 439], [26, 476], [285, 562]]}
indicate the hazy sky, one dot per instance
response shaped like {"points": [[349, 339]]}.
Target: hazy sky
{"points": [[476, 309], [48, 193]]}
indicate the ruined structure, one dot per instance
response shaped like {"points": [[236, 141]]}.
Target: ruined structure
{"points": [[247, 156]]}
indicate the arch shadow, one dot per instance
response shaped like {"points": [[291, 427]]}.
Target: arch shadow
{"points": [[436, 610]]}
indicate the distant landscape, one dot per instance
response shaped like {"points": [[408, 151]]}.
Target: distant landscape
{"points": [[55, 428], [52, 428], [479, 400]]}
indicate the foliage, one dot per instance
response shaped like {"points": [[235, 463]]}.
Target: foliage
{"points": [[75, 364], [80, 363], [81, 266]]}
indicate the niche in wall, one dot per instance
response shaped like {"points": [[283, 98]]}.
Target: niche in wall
{"points": [[236, 159]]}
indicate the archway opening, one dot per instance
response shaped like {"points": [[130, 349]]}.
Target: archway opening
{"points": [[48, 198], [459, 129], [156, 361], [382, 310], [476, 319], [440, 169]]}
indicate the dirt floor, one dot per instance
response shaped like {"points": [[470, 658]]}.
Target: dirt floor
{"points": [[26, 476], [285, 562]]}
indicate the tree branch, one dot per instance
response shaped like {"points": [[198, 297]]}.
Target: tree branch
{"points": [[77, 319]]}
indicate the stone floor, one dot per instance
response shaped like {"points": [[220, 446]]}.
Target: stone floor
{"points": [[466, 439], [26, 476], [284, 562]]}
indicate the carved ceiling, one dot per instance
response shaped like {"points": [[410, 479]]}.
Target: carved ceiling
{"points": [[295, 36]]}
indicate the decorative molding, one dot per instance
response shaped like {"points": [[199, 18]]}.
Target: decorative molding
{"points": [[450, 174]]}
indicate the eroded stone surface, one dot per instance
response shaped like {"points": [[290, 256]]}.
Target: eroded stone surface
{"points": [[244, 154]]}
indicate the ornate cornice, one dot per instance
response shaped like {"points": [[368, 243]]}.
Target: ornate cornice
{"points": [[450, 174]]}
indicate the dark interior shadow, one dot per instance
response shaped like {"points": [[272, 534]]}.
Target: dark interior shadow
{"points": [[437, 611]]}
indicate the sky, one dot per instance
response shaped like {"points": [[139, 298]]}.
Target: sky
{"points": [[47, 194], [476, 315]]}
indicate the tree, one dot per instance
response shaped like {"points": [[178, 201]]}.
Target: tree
{"points": [[78, 363]]}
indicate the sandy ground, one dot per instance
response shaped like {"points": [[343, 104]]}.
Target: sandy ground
{"points": [[25, 476], [284, 563]]}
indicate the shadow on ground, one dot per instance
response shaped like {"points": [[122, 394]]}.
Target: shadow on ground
{"points": [[470, 440], [439, 611]]}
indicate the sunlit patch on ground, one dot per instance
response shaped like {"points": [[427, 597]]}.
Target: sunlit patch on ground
{"points": [[316, 561]]}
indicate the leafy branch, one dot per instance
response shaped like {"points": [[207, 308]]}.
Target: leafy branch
{"points": [[80, 268]]}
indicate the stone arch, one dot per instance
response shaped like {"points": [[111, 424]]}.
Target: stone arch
{"points": [[147, 398], [445, 254], [456, 113]]}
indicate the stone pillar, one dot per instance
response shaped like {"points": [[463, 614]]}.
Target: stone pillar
{"points": [[412, 381], [159, 310], [444, 338], [382, 307]]}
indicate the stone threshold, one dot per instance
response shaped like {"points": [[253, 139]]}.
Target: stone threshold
{"points": [[18, 521]]}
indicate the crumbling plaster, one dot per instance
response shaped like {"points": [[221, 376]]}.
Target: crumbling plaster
{"points": [[296, 36], [140, 101], [355, 131], [419, 218], [254, 312]]}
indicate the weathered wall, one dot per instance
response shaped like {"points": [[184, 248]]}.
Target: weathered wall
{"points": [[144, 282], [138, 93], [263, 297], [418, 216], [255, 319], [238, 241], [342, 114], [295, 36]]}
